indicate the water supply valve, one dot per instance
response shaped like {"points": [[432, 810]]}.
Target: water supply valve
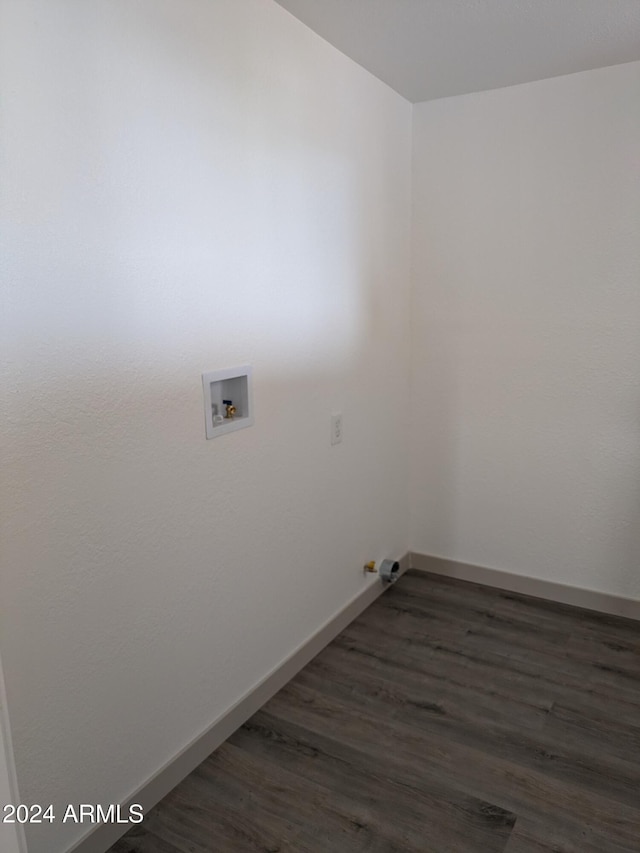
{"points": [[389, 570], [230, 409]]}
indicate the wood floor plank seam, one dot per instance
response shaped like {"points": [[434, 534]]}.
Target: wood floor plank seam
{"points": [[448, 718]]}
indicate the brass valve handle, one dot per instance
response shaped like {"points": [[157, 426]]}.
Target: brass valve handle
{"points": [[230, 409]]}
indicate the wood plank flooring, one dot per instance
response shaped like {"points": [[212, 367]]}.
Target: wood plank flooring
{"points": [[448, 718]]}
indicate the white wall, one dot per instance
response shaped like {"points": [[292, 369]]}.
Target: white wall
{"points": [[526, 330], [189, 185]]}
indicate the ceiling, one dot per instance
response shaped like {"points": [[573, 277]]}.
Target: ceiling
{"points": [[428, 49]]}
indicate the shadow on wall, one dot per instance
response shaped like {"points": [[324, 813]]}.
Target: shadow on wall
{"points": [[524, 465], [205, 190], [525, 330]]}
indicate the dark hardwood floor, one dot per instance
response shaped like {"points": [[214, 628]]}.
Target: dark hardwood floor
{"points": [[448, 718]]}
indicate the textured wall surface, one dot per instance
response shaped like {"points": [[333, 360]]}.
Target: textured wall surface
{"points": [[200, 184], [190, 184], [526, 330]]}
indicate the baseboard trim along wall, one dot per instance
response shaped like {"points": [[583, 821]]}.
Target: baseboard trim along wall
{"points": [[590, 599], [101, 837], [12, 837]]}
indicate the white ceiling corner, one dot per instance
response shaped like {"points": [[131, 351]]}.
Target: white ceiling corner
{"points": [[427, 49]]}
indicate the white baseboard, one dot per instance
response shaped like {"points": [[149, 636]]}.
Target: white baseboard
{"points": [[101, 837], [590, 599], [12, 836]]}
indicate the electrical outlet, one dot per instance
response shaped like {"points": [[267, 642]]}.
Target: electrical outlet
{"points": [[336, 428]]}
